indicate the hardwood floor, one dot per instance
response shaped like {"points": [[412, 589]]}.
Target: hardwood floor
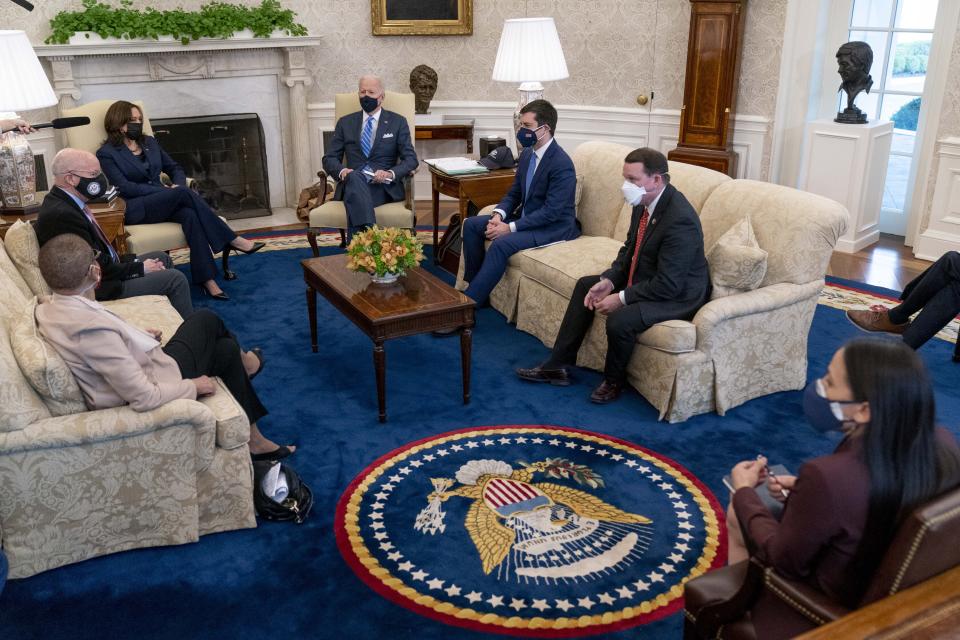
{"points": [[888, 263]]}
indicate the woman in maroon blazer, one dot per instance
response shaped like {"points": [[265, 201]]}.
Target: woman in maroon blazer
{"points": [[843, 509]]}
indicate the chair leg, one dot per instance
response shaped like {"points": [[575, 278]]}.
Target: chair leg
{"points": [[312, 239], [343, 238], [227, 273]]}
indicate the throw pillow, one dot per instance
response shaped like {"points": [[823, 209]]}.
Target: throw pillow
{"points": [[737, 263], [43, 367], [24, 250]]}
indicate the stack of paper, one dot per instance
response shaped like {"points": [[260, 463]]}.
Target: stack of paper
{"points": [[457, 166]]}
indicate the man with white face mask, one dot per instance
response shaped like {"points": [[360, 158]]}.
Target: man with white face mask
{"points": [[660, 274]]}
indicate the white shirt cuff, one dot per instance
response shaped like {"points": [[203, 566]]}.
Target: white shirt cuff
{"points": [[623, 298], [513, 227], [499, 211], [393, 176]]}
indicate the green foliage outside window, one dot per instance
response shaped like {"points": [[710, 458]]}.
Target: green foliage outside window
{"points": [[214, 20], [910, 58]]}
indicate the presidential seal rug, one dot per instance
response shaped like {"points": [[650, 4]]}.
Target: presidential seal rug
{"points": [[527, 530]]}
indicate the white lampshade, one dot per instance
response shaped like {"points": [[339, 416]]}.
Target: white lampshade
{"points": [[23, 84], [529, 52]]}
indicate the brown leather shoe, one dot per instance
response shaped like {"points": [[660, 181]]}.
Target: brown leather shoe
{"points": [[557, 377], [608, 391], [875, 319]]}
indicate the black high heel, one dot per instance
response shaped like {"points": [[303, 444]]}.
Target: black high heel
{"points": [[216, 296], [256, 247]]}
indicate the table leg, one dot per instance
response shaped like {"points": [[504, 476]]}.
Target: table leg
{"points": [[466, 344], [312, 312], [380, 365], [436, 222]]}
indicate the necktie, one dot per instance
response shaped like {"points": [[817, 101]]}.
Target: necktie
{"points": [[531, 169], [366, 138], [641, 230], [103, 237]]}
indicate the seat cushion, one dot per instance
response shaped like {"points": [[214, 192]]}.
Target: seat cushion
{"points": [[737, 263], [148, 312], [147, 238], [670, 336], [559, 266], [43, 367], [333, 215], [24, 251]]}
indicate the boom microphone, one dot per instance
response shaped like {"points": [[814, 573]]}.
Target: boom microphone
{"points": [[23, 3], [58, 123]]}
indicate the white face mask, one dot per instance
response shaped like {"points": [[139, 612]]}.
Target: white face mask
{"points": [[632, 193]]}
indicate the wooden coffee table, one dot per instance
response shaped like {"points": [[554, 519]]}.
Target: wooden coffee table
{"points": [[417, 303]]}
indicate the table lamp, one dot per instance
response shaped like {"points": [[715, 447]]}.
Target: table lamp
{"points": [[23, 86], [529, 53]]}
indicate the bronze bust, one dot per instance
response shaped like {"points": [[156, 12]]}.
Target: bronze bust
{"points": [[423, 84], [854, 60]]}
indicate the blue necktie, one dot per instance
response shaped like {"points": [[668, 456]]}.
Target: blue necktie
{"points": [[531, 169], [366, 138]]}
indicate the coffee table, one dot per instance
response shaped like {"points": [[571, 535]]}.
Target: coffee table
{"points": [[417, 303]]}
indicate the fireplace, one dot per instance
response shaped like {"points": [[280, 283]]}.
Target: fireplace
{"points": [[225, 155]]}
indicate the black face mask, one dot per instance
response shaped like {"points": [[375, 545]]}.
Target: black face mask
{"points": [[134, 130], [92, 188], [367, 103]]}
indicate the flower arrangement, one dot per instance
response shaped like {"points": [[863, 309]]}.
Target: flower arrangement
{"points": [[213, 20], [384, 252]]}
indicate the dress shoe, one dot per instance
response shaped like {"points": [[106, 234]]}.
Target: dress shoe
{"points": [[216, 296], [557, 377], [875, 319], [257, 351], [608, 391], [256, 247]]}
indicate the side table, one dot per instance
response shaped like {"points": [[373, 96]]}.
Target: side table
{"points": [[477, 189], [110, 216], [452, 131]]}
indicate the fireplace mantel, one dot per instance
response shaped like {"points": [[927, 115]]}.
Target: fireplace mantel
{"points": [[262, 69]]}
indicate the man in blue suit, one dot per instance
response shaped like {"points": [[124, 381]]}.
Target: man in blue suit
{"points": [[537, 210], [378, 153]]}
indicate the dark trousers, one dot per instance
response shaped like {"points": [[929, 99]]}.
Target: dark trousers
{"points": [[360, 197], [483, 267], [936, 296], [168, 282], [203, 346], [205, 232], [623, 326]]}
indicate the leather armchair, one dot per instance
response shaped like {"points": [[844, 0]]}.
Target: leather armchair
{"points": [[718, 604], [332, 214]]}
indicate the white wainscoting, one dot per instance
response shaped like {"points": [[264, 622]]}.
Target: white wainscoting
{"points": [[943, 232], [577, 124]]}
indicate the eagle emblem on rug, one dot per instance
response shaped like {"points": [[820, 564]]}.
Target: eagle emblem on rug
{"points": [[529, 530], [554, 531]]}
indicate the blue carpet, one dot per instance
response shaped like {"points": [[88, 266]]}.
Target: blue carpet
{"points": [[283, 580]]}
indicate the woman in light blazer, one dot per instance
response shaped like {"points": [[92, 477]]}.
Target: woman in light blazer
{"points": [[133, 162], [116, 363]]}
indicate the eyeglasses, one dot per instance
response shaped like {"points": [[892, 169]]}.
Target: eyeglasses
{"points": [[96, 254], [78, 175]]}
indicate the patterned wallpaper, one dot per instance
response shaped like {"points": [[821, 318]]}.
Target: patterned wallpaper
{"points": [[608, 44]]}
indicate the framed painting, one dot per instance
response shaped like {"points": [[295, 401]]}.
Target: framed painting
{"points": [[421, 17]]}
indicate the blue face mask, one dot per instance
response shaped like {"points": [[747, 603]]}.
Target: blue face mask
{"points": [[824, 415], [369, 104], [527, 137]]}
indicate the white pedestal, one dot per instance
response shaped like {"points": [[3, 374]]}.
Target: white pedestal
{"points": [[943, 231], [427, 119], [848, 163]]}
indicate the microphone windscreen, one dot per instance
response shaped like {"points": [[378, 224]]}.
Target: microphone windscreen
{"points": [[66, 123]]}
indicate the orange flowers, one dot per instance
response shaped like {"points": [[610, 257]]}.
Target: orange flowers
{"points": [[380, 251]]}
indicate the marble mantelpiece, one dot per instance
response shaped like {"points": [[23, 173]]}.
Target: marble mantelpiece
{"points": [[267, 76]]}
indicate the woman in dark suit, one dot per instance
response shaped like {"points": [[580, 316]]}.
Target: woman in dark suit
{"points": [[842, 509], [133, 162]]}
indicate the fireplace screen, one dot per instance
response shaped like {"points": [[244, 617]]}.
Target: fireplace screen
{"points": [[226, 157]]}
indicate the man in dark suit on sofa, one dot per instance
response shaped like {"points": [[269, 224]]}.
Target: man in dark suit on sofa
{"points": [[537, 210], [379, 154], [659, 274], [78, 178]]}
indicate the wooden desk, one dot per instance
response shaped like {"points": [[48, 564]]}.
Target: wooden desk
{"points": [[478, 190], [418, 302], [453, 131], [110, 216]]}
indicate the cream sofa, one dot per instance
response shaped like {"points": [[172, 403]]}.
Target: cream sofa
{"points": [[737, 347], [76, 484]]}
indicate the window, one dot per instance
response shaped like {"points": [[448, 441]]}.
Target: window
{"points": [[900, 33]]}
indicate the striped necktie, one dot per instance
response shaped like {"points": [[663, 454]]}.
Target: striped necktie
{"points": [[103, 237], [366, 138], [641, 231]]}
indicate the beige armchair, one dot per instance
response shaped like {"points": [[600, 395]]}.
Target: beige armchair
{"points": [[141, 238], [332, 214], [76, 484]]}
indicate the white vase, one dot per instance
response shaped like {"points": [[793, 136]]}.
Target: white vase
{"points": [[387, 278]]}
